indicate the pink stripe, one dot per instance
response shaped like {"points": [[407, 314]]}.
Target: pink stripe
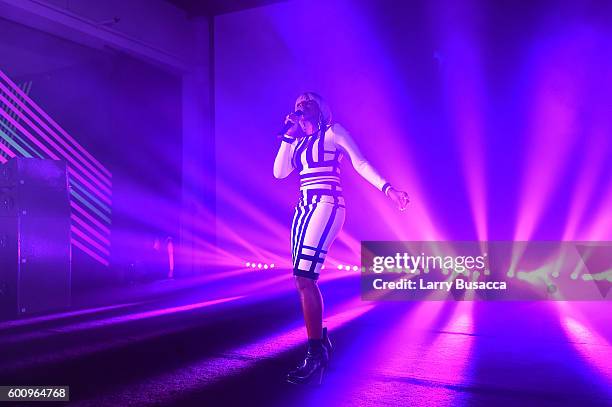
{"points": [[2, 159], [135, 316], [62, 315], [46, 138], [88, 239], [34, 139], [93, 220], [7, 150], [91, 230], [49, 153], [57, 126], [93, 255], [91, 187]]}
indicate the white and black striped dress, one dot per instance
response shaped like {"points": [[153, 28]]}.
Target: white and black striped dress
{"points": [[320, 212]]}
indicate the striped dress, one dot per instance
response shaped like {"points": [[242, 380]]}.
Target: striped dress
{"points": [[320, 212]]}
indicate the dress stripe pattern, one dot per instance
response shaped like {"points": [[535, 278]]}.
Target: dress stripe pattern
{"points": [[320, 212]]}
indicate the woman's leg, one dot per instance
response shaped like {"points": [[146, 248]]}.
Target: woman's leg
{"points": [[312, 236], [314, 364], [312, 306]]}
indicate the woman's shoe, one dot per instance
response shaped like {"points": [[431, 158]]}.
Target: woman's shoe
{"points": [[312, 368]]}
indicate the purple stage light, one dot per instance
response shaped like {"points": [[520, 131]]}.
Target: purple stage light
{"points": [[62, 315], [122, 319], [504, 134]]}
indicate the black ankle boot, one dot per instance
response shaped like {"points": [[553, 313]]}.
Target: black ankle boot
{"points": [[327, 343], [312, 368]]}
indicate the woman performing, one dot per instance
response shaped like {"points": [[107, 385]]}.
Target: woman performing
{"points": [[314, 146]]}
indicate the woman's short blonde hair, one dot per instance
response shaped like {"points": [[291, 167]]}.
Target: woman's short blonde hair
{"points": [[326, 115]]}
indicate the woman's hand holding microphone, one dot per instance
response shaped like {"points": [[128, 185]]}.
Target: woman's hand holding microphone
{"points": [[291, 129]]}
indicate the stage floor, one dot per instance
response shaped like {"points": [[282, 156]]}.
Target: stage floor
{"points": [[229, 338]]}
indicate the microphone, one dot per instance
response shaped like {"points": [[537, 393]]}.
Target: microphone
{"points": [[289, 125]]}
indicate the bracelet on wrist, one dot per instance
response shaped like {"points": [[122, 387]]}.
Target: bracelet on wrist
{"points": [[386, 188], [287, 138]]}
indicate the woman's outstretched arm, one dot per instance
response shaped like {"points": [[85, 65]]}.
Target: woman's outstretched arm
{"points": [[282, 163], [343, 140]]}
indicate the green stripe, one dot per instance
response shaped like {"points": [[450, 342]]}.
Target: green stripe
{"points": [[87, 204], [90, 196], [12, 142]]}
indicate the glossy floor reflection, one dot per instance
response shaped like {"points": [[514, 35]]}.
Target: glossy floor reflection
{"points": [[208, 342]]}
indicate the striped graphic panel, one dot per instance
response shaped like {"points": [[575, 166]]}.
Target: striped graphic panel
{"points": [[26, 130]]}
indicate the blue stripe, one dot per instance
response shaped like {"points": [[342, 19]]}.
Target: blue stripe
{"points": [[84, 202], [90, 196]]}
